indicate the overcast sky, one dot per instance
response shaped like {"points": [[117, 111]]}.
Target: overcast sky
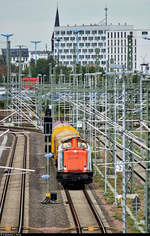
{"points": [[32, 20]]}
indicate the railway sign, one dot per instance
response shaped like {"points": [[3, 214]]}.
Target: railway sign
{"points": [[79, 124], [119, 166]]}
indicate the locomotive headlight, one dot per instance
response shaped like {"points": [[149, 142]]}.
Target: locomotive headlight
{"points": [[85, 167], [75, 150], [65, 168]]}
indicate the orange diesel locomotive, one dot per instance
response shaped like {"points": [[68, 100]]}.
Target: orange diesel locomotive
{"points": [[71, 154]]}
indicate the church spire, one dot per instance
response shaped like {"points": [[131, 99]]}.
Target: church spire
{"points": [[57, 18]]}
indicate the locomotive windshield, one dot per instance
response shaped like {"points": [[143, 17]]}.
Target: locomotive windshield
{"points": [[82, 144], [67, 144]]}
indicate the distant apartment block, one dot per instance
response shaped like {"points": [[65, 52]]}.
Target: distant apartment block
{"points": [[102, 43], [41, 54], [15, 56], [25, 55]]}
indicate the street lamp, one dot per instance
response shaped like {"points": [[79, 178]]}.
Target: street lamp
{"points": [[77, 49], [35, 42], [7, 37]]}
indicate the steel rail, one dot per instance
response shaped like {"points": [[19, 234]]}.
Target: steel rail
{"points": [[95, 212], [22, 197], [74, 214], [7, 178]]}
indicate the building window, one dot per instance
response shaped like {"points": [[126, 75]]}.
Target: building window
{"points": [[81, 32], [66, 50], [84, 62], [62, 44], [87, 44], [103, 37], [94, 44], [84, 38], [103, 50], [72, 38], [69, 56], [81, 44], [100, 44], [90, 50], [84, 50], [135, 42], [100, 32], [69, 32], [69, 44], [57, 32], [66, 62], [87, 56], [144, 33], [118, 34], [97, 38], [90, 38], [125, 34], [114, 34], [121, 34], [94, 31], [108, 34], [111, 35], [87, 31], [81, 56], [62, 32], [100, 56], [66, 38]]}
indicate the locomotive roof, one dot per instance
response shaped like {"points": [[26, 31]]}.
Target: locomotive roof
{"points": [[78, 137]]}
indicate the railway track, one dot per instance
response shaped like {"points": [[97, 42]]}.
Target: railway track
{"points": [[84, 213], [12, 194]]}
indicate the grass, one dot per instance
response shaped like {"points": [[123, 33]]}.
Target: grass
{"points": [[117, 211]]}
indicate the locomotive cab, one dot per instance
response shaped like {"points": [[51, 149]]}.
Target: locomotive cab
{"points": [[74, 161]]}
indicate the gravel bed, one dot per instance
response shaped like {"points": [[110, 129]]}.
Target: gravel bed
{"points": [[43, 215]]}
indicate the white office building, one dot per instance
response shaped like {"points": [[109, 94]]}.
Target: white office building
{"points": [[103, 43]]}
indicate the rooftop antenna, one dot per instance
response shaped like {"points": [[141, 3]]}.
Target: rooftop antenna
{"points": [[106, 9]]}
